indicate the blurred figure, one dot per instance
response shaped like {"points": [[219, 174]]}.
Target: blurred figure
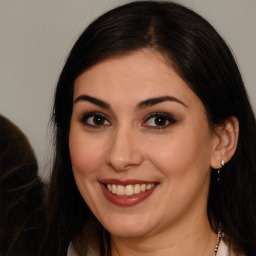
{"points": [[21, 193]]}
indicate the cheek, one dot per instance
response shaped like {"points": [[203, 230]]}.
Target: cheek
{"points": [[86, 159], [186, 152], [86, 154]]}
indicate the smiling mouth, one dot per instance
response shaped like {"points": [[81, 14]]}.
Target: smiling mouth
{"points": [[129, 190]]}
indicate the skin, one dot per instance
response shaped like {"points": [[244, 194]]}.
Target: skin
{"points": [[129, 145]]}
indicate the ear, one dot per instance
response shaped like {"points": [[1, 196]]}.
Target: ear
{"points": [[226, 138]]}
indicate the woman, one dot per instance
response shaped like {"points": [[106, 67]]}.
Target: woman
{"points": [[155, 140]]}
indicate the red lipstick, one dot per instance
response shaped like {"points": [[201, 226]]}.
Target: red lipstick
{"points": [[126, 200]]}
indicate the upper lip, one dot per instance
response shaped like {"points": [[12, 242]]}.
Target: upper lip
{"points": [[125, 182]]}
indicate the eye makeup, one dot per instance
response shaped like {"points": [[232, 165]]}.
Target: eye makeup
{"points": [[159, 120], [94, 120]]}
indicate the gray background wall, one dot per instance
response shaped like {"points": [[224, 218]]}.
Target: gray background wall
{"points": [[36, 36]]}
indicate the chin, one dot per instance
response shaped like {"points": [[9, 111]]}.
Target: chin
{"points": [[124, 233], [128, 227]]}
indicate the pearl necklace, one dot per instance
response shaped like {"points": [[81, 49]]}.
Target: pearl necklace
{"points": [[217, 243]]}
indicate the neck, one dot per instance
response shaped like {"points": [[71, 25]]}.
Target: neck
{"points": [[195, 239]]}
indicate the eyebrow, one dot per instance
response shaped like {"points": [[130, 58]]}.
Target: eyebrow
{"points": [[92, 100], [146, 103], [153, 101]]}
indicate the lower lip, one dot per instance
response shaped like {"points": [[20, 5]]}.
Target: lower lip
{"points": [[127, 200]]}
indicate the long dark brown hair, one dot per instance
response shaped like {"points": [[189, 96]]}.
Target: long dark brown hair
{"points": [[203, 60]]}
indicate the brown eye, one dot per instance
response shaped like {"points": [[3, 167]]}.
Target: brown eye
{"points": [[98, 120], [95, 120], [159, 121]]}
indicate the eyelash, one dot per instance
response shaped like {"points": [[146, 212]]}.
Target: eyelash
{"points": [[84, 119], [163, 117]]}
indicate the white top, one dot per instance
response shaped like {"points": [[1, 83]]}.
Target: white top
{"points": [[72, 252], [223, 250]]}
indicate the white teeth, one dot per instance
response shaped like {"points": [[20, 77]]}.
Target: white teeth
{"points": [[113, 189], [129, 190], [120, 190], [143, 187], [148, 186], [136, 189], [109, 187]]}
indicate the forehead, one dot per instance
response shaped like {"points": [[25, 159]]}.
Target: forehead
{"points": [[136, 76]]}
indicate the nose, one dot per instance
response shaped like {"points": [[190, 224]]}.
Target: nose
{"points": [[124, 152]]}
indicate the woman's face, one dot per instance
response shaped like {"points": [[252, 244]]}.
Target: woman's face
{"points": [[140, 146]]}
